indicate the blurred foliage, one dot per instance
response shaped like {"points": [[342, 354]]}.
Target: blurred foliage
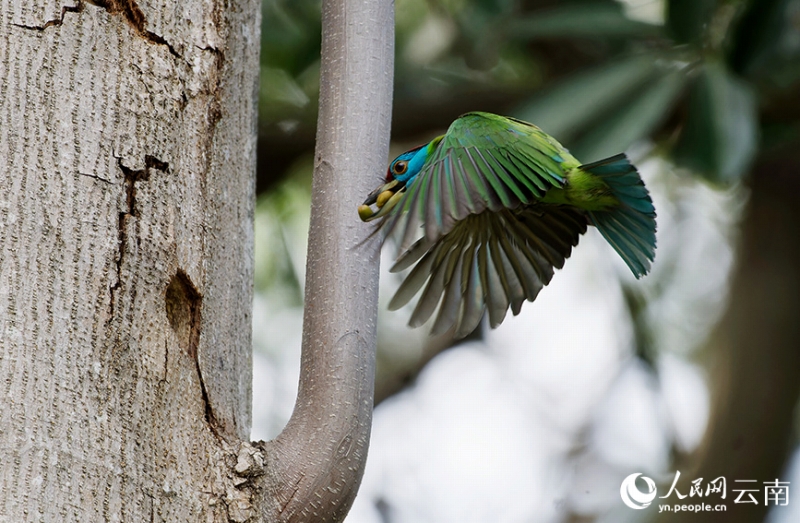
{"points": [[281, 219], [709, 83], [712, 86], [696, 76]]}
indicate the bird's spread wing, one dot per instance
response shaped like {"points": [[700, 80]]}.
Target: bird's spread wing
{"points": [[483, 162], [487, 261]]}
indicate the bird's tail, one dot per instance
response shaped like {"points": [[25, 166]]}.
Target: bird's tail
{"points": [[630, 227]]}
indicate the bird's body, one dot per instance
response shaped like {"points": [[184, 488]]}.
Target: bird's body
{"points": [[489, 208]]}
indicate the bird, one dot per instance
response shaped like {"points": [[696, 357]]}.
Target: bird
{"points": [[486, 211]]}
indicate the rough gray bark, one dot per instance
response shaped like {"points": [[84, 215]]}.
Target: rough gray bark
{"points": [[127, 148], [318, 460]]}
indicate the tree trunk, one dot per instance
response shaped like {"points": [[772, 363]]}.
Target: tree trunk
{"points": [[127, 148], [754, 358]]}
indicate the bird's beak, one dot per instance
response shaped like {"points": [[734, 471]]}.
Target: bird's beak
{"points": [[384, 197]]}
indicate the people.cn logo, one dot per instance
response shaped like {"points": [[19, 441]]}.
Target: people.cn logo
{"points": [[632, 496]]}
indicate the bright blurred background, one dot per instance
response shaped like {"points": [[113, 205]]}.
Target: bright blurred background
{"points": [[695, 368]]}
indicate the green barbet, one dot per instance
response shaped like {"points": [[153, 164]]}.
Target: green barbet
{"points": [[489, 208]]}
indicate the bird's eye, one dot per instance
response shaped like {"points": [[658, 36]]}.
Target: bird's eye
{"points": [[400, 167]]}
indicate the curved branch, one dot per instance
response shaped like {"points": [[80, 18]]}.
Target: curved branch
{"points": [[316, 463]]}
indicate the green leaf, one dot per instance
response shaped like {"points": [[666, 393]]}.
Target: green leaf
{"points": [[574, 104], [278, 87], [290, 34], [634, 121], [720, 136], [595, 19]]}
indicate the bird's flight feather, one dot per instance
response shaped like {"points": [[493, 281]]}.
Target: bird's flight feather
{"points": [[496, 206]]}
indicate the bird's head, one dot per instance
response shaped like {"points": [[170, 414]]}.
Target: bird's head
{"points": [[400, 174]]}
